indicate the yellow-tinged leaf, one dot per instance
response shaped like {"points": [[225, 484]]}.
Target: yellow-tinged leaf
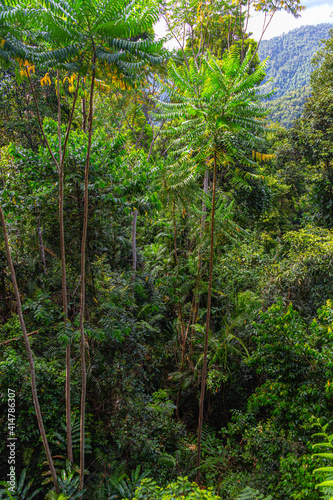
{"points": [[46, 80]]}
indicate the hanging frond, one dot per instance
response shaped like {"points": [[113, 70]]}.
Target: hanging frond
{"points": [[259, 157], [119, 33]]}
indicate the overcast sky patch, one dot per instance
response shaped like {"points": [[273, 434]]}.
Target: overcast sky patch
{"points": [[316, 12]]}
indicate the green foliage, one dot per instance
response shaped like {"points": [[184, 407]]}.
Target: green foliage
{"points": [[75, 32], [293, 366], [286, 109], [120, 486], [152, 149], [217, 103], [290, 57], [18, 119], [20, 491], [289, 66], [68, 481], [51, 377], [296, 477], [212, 459], [181, 487], [251, 494], [300, 269], [288, 355], [326, 447], [59, 443]]}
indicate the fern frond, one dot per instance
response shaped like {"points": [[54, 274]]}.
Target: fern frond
{"points": [[251, 494]]}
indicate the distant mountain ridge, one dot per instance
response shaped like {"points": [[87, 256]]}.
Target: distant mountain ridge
{"points": [[290, 67]]}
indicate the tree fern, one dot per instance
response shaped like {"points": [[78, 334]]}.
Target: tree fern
{"points": [[219, 103], [217, 115]]}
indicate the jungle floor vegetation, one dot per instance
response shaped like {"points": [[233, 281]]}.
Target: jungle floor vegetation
{"points": [[166, 258]]}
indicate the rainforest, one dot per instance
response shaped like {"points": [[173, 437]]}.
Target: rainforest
{"points": [[166, 254]]}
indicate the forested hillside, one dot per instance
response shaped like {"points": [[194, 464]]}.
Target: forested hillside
{"points": [[286, 109], [290, 67], [166, 259]]}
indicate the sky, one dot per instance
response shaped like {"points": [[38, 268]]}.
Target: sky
{"points": [[316, 12]]}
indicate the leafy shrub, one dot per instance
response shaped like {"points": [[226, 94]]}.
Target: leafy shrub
{"points": [[21, 489], [148, 489], [326, 453]]}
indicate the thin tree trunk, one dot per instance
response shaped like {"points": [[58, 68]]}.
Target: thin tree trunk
{"points": [[83, 280], [179, 305], [264, 28], [209, 301], [64, 284], [65, 316], [135, 217], [204, 207], [155, 136], [175, 236], [41, 242], [190, 321], [195, 302], [60, 169], [30, 357], [40, 122], [202, 230], [84, 114]]}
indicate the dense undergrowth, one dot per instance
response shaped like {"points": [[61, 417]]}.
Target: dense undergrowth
{"points": [[149, 259]]}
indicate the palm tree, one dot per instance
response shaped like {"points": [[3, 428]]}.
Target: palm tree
{"points": [[217, 106], [92, 39]]}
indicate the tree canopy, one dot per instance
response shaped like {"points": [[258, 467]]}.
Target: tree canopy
{"points": [[165, 255]]}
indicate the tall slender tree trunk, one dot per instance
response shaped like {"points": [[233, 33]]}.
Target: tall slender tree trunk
{"points": [[202, 230], [196, 297], [83, 279], [204, 207], [84, 114], [65, 315], [30, 356], [64, 284], [60, 169], [41, 242], [179, 305], [134, 254], [209, 301]]}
